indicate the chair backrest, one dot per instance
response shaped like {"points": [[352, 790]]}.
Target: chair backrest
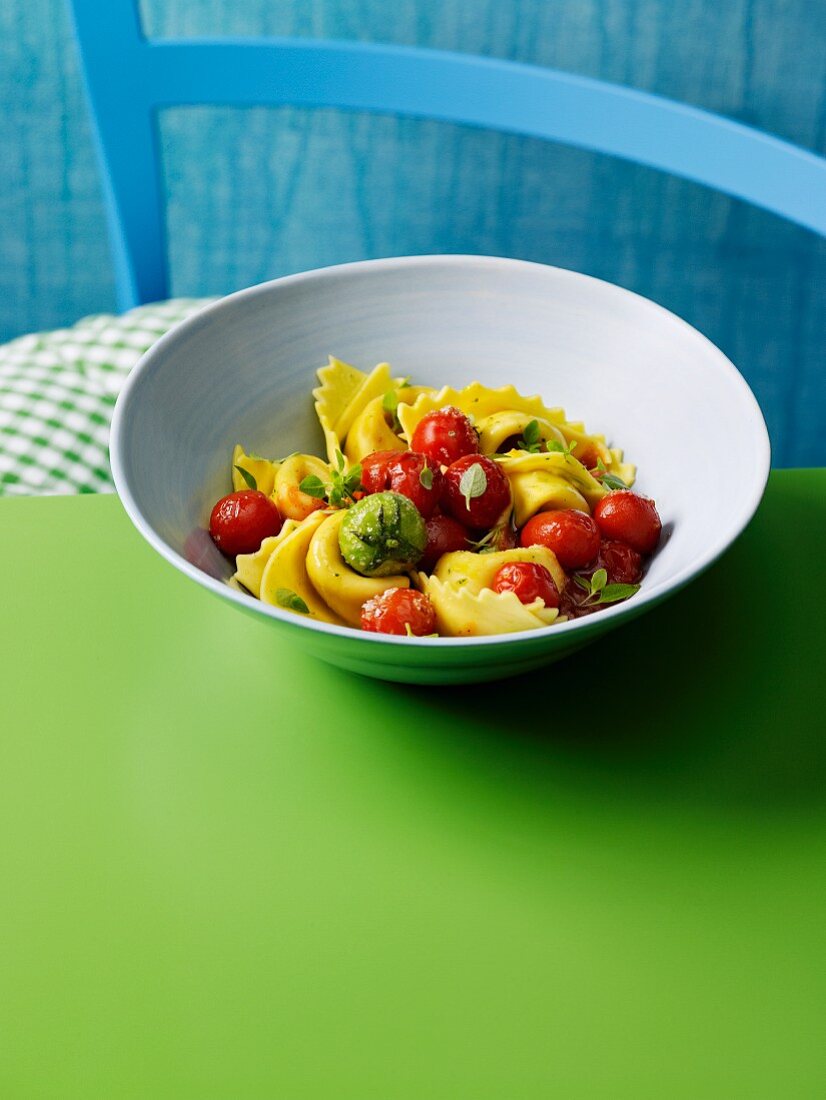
{"points": [[129, 78]]}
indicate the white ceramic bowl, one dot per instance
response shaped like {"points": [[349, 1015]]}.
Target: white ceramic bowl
{"points": [[242, 371]]}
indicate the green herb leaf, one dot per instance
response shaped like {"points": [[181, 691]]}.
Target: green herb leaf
{"points": [[599, 580], [339, 460], [426, 478], [473, 483], [610, 481], [613, 592], [583, 583], [285, 597], [314, 487], [390, 404], [247, 476], [561, 448]]}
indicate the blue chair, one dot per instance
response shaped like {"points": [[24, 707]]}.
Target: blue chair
{"points": [[129, 78]]}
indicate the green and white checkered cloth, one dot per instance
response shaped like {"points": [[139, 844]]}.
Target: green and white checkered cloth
{"points": [[57, 392]]}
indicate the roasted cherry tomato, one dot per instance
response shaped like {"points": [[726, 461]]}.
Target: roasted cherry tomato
{"points": [[374, 476], [399, 611], [528, 580], [588, 454], [415, 476], [444, 535], [241, 521], [475, 492], [573, 536], [444, 436], [630, 518], [622, 564]]}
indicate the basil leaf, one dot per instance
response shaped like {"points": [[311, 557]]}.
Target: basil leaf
{"points": [[285, 597], [426, 478], [473, 483], [313, 486], [247, 476]]}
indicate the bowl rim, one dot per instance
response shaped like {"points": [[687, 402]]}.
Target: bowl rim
{"points": [[608, 616]]}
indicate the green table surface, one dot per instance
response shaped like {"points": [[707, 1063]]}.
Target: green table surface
{"points": [[228, 870]]}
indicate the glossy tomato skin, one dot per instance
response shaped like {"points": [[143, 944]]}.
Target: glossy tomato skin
{"points": [[401, 472], [528, 580], [240, 522], [445, 436], [374, 476], [571, 535], [396, 609], [444, 535], [622, 563], [484, 510], [631, 518]]}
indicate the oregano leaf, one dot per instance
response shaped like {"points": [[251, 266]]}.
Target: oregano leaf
{"points": [[285, 597], [613, 592], [599, 580], [426, 478], [473, 483], [247, 476], [313, 486]]}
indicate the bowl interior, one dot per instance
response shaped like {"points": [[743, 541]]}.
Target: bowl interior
{"points": [[242, 371]]}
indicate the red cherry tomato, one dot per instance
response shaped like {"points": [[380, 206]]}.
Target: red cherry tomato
{"points": [[240, 522], [622, 564], [528, 580], [475, 499], [573, 536], [374, 475], [444, 535], [444, 436], [630, 518], [403, 472], [397, 609]]}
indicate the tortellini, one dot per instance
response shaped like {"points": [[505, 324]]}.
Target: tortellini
{"points": [[550, 464], [466, 606], [291, 501], [261, 470], [342, 588]]}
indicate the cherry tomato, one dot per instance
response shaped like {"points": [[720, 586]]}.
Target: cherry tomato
{"points": [[374, 475], [476, 499], [444, 436], [588, 454], [395, 610], [240, 522], [444, 535], [528, 580], [630, 518], [573, 536], [622, 564], [402, 472]]}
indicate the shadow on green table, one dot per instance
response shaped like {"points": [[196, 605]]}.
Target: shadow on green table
{"points": [[718, 696]]}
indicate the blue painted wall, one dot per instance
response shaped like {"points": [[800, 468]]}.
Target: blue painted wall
{"points": [[258, 193]]}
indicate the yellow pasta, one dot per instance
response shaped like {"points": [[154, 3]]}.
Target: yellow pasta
{"points": [[287, 494], [261, 469], [341, 587], [461, 613], [533, 476], [286, 572]]}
